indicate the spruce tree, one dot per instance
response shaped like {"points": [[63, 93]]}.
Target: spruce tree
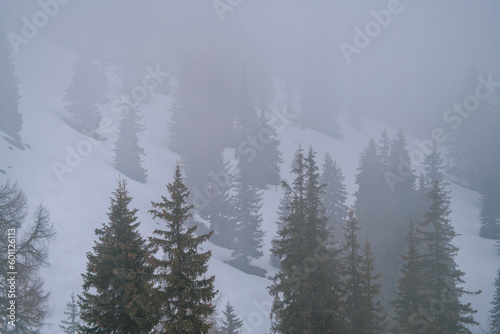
{"points": [[84, 94], [11, 120], [257, 147], [185, 295], [439, 271], [490, 222], [118, 289], [375, 317], [494, 325], [352, 273], [335, 193], [72, 323], [247, 203], [231, 324], [128, 154], [271, 155], [384, 149], [305, 290], [408, 294]]}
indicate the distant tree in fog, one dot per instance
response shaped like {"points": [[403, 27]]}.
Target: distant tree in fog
{"points": [[11, 120]]}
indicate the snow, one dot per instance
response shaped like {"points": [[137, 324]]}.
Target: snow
{"points": [[78, 200]]}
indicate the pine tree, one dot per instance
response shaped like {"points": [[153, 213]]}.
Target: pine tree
{"points": [[231, 323], [352, 273], [128, 154], [384, 149], [84, 94], [257, 150], [305, 290], [185, 296], [439, 271], [375, 317], [494, 325], [11, 120], [490, 222], [247, 203], [335, 193], [70, 326], [218, 209], [433, 170], [271, 154], [408, 294], [118, 289]]}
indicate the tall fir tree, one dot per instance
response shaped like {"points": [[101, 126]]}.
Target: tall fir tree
{"points": [[118, 288], [185, 294], [408, 294], [72, 323], [439, 270], [490, 221], [11, 120], [257, 147], [353, 292], [384, 148], [375, 316], [306, 289], [128, 154], [334, 193], [231, 323], [247, 203], [494, 325], [84, 94]]}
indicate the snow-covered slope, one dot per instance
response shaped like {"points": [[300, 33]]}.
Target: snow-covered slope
{"points": [[78, 197]]}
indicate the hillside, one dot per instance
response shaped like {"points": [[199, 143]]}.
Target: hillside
{"points": [[79, 197]]}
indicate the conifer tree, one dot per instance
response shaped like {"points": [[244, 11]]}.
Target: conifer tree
{"points": [[335, 193], [352, 272], [439, 270], [185, 295], [257, 150], [373, 192], [72, 323], [247, 203], [375, 317], [84, 94], [231, 324], [305, 290], [11, 120], [118, 289], [408, 294], [494, 325], [490, 222], [271, 154], [128, 154], [384, 149]]}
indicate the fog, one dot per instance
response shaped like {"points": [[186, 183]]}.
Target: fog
{"points": [[426, 45], [229, 89]]}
